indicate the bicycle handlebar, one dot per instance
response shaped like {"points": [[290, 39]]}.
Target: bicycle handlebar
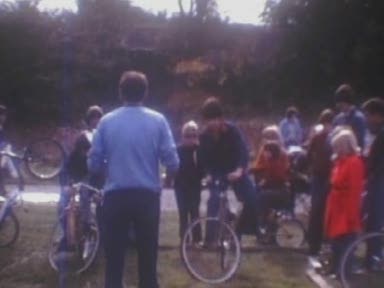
{"points": [[10, 154], [80, 185]]}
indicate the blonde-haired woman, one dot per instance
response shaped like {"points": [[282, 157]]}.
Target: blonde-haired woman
{"points": [[342, 217], [272, 133]]}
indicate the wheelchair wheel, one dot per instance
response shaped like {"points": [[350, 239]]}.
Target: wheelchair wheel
{"points": [[217, 259], [290, 233]]}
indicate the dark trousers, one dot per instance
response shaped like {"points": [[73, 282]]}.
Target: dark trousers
{"points": [[319, 192], [374, 224], [121, 208], [339, 246], [188, 202]]}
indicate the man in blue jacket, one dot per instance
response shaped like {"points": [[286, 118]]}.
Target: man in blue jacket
{"points": [[132, 140]]}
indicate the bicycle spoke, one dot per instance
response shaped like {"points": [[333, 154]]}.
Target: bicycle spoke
{"points": [[215, 261], [45, 158], [290, 234]]}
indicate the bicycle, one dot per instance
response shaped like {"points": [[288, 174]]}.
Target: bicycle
{"points": [[357, 269], [281, 227], [81, 243], [37, 166], [218, 259]]}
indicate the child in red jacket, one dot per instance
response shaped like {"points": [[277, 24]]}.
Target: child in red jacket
{"points": [[343, 209]]}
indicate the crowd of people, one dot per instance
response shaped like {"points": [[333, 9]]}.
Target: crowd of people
{"points": [[344, 160], [121, 152]]}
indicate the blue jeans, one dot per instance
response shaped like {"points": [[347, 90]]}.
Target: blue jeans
{"points": [[245, 192]]}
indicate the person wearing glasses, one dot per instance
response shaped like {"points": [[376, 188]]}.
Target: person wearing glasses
{"points": [[188, 180]]}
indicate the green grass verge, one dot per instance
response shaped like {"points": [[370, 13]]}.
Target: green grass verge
{"points": [[25, 265]]}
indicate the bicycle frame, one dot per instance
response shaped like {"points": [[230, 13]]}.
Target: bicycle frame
{"points": [[11, 200], [7, 207], [72, 212]]}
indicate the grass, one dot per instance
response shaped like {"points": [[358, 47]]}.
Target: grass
{"points": [[25, 265]]}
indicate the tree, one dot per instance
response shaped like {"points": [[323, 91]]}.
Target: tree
{"points": [[330, 41], [199, 9]]}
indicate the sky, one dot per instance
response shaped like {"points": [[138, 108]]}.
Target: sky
{"points": [[238, 11]]}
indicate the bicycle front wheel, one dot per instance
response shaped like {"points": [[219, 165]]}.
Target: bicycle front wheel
{"points": [[362, 264], [9, 229], [290, 234], [44, 158], [217, 258], [76, 259]]}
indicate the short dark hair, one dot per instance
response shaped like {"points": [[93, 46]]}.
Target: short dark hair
{"points": [[291, 111], [374, 106], [345, 93], [212, 109], [93, 112], [133, 86], [326, 116]]}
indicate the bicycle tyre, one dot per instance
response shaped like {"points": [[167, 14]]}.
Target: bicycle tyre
{"points": [[290, 234], [79, 263], [10, 222], [44, 158], [214, 262], [353, 264]]}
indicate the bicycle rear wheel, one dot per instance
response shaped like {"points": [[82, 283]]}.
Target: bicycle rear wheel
{"points": [[290, 233], [77, 259], [358, 269], [217, 259], [9, 229], [44, 158]]}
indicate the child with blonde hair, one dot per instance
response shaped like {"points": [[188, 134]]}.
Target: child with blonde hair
{"points": [[188, 179]]}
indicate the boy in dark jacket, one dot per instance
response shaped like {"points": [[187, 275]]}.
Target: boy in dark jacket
{"points": [[225, 156], [76, 170]]}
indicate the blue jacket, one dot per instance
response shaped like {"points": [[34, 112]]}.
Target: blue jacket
{"points": [[356, 120], [133, 141], [291, 131]]}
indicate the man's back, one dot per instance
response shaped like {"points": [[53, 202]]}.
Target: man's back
{"points": [[133, 140]]}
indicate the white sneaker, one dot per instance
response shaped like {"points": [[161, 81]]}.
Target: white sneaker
{"points": [[314, 262]]}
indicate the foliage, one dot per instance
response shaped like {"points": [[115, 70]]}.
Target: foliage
{"points": [[54, 64], [330, 41]]}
